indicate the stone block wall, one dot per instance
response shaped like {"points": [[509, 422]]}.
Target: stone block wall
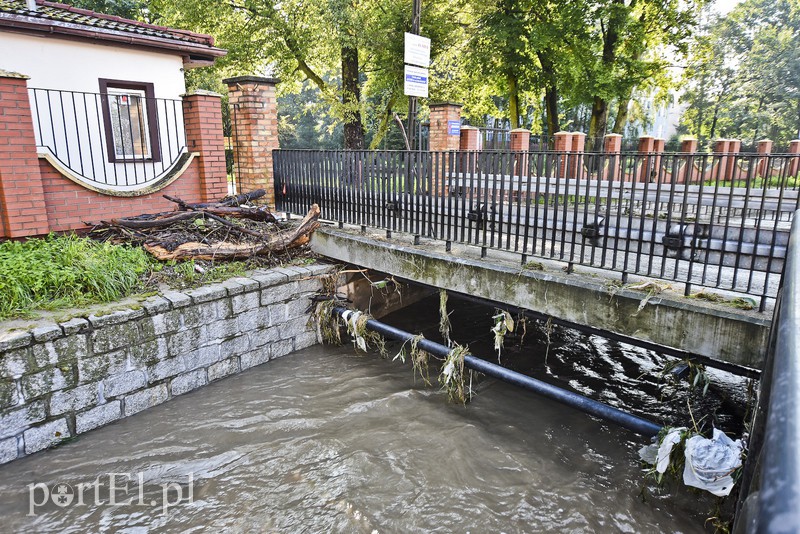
{"points": [[60, 380]]}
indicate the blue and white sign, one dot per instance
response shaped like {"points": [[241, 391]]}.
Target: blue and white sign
{"points": [[416, 81], [453, 127]]}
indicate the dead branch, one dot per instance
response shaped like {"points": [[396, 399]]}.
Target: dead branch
{"points": [[280, 241]]}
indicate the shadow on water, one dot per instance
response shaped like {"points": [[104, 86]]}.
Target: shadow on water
{"points": [[327, 440]]}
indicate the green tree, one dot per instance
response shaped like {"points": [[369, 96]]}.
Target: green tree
{"points": [[743, 79]]}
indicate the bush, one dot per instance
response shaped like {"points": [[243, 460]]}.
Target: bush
{"points": [[65, 271]]}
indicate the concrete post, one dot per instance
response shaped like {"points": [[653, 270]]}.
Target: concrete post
{"points": [[202, 117], [22, 206], [254, 114]]}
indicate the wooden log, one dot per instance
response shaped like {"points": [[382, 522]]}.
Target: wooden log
{"points": [[230, 208], [279, 242]]}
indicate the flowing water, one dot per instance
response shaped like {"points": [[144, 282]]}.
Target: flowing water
{"points": [[326, 440]]}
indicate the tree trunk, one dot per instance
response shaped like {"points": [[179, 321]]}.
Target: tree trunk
{"points": [[550, 92], [351, 100], [513, 100], [598, 122], [621, 119]]}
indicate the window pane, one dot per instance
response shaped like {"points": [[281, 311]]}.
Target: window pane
{"points": [[129, 124]]}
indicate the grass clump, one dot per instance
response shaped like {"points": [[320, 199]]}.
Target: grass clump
{"points": [[66, 271]]}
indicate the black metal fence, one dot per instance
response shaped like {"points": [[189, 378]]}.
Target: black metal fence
{"points": [[115, 140], [769, 500], [710, 220]]}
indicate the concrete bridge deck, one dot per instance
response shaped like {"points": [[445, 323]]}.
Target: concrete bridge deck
{"points": [[586, 298]]}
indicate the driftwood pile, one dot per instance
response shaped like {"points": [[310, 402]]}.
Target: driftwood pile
{"points": [[228, 229]]}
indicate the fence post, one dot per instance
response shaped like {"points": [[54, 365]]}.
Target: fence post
{"points": [[22, 202], [612, 145], [646, 145], [445, 129], [764, 148], [445, 137], [578, 147], [520, 142], [202, 118], [470, 138], [720, 148], [254, 117], [794, 163], [686, 173], [562, 144], [734, 145]]}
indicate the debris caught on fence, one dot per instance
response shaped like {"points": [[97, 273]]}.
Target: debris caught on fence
{"points": [[229, 229]]}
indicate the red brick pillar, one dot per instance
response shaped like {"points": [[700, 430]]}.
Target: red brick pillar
{"points": [[520, 142], [645, 150], [470, 138], [794, 163], [658, 149], [612, 146], [689, 145], [562, 145], [202, 118], [720, 148], [22, 207], [254, 114], [445, 136], [445, 129], [578, 147], [733, 150], [686, 170], [764, 148]]}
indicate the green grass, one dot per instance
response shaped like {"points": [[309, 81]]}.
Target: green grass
{"points": [[67, 271], [774, 182]]}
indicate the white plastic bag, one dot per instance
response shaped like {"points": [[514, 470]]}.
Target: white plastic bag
{"points": [[710, 463]]}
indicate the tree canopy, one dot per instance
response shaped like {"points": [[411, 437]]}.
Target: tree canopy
{"points": [[537, 64], [743, 79]]}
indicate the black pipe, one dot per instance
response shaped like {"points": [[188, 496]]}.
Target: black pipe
{"points": [[733, 368], [592, 407]]}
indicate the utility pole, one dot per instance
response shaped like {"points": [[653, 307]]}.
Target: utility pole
{"points": [[412, 100]]}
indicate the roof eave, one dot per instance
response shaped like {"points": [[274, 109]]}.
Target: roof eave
{"points": [[197, 51]]}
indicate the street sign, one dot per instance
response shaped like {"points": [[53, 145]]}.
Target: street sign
{"points": [[416, 82], [453, 127], [417, 50]]}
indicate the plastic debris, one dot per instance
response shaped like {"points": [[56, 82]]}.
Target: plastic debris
{"points": [[710, 463]]}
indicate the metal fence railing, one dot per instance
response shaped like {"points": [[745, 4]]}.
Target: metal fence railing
{"points": [[769, 499], [116, 140], [701, 219]]}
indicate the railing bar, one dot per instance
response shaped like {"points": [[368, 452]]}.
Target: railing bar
{"points": [[89, 137], [528, 166]]}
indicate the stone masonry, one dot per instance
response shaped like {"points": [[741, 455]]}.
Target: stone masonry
{"points": [[60, 380]]}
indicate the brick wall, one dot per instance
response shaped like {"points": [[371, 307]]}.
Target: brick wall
{"points": [[69, 205], [35, 198], [60, 380]]}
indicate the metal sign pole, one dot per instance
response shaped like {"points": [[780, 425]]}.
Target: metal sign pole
{"points": [[412, 100]]}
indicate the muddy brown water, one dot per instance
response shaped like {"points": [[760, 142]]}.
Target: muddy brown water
{"points": [[327, 440]]}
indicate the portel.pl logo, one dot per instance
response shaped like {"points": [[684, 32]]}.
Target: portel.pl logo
{"points": [[111, 489]]}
